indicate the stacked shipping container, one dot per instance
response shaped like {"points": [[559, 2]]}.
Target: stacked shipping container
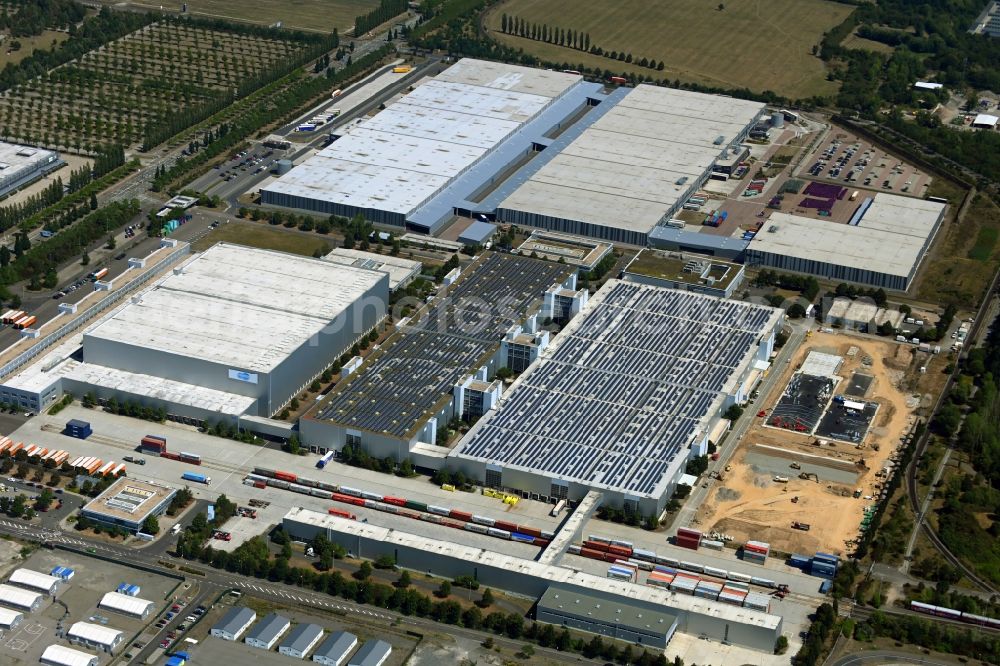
{"points": [[756, 552], [687, 538]]}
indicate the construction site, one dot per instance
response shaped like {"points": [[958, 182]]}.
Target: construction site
{"points": [[810, 469]]}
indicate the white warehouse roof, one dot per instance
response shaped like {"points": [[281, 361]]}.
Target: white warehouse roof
{"points": [[399, 269], [890, 238], [238, 306], [19, 597], [60, 655], [401, 157], [125, 604], [34, 579], [94, 633], [632, 165], [986, 120]]}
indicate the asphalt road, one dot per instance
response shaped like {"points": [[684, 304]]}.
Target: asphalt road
{"points": [[42, 305], [700, 493]]}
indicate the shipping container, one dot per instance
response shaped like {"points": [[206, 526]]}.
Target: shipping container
{"points": [[500, 534], [763, 582], [713, 544], [799, 561], [641, 554], [483, 520], [286, 476], [735, 575], [460, 515], [826, 557], [523, 538], [196, 477], [757, 547], [443, 511], [153, 443], [692, 566], [531, 531], [79, 429], [592, 554], [478, 529], [340, 513], [504, 525], [718, 573], [395, 501], [598, 539]]}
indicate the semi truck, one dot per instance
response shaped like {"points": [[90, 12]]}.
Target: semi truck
{"points": [[196, 477]]}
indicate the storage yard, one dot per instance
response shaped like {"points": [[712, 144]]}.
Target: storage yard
{"points": [[762, 494]]}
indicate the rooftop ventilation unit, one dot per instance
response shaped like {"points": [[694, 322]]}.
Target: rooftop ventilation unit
{"points": [[719, 140], [771, 229], [681, 180]]}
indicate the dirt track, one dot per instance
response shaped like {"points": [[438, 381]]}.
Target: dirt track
{"points": [[749, 504]]}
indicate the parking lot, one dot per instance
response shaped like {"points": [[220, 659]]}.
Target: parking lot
{"points": [[846, 424], [77, 602], [852, 162]]}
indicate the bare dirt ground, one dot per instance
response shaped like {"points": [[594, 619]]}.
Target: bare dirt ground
{"points": [[749, 504]]}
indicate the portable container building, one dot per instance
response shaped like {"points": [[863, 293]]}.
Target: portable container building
{"points": [[268, 631], [301, 640], [234, 623], [334, 650], [60, 655], [372, 653], [79, 429], [63, 572]]}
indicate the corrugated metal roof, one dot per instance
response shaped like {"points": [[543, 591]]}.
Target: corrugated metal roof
{"points": [[336, 646], [301, 637], [234, 620], [16, 596], [269, 628], [371, 653]]}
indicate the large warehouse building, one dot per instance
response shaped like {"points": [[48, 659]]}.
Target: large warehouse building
{"points": [[388, 166], [232, 331], [883, 249], [623, 397], [528, 146], [432, 369], [633, 168], [22, 165], [646, 613]]}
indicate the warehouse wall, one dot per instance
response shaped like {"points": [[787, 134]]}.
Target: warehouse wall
{"points": [[282, 200], [829, 271], [444, 565], [616, 235], [307, 362], [173, 409]]}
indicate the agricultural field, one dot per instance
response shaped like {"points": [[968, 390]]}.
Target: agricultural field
{"points": [[760, 46], [114, 93], [29, 45], [315, 15]]}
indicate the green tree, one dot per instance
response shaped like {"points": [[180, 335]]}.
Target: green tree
{"points": [[151, 525], [404, 580], [93, 201], [486, 600], [444, 591], [733, 413]]}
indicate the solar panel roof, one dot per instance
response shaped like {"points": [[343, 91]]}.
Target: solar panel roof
{"points": [[624, 389]]}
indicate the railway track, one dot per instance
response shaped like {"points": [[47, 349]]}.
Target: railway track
{"points": [[921, 448], [862, 613]]}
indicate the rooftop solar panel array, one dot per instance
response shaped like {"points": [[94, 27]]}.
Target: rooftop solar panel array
{"points": [[625, 388], [422, 362]]}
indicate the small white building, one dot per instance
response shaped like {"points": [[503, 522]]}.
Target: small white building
{"points": [[20, 598], [234, 623], [9, 619], [60, 655], [302, 639], [985, 121], [267, 633], [96, 636], [335, 648], [127, 605], [36, 580]]}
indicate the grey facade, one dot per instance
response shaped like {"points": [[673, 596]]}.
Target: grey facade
{"points": [[301, 640], [234, 623], [739, 626], [267, 633], [334, 650], [621, 619], [372, 653]]}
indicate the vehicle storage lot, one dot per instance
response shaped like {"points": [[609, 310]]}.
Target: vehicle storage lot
{"points": [[80, 596], [849, 161]]}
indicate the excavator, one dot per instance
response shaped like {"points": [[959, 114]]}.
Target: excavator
{"points": [[805, 476]]}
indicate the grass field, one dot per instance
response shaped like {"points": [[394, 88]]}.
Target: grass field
{"points": [[964, 255], [46, 40], [265, 237], [855, 42], [751, 43], [313, 15]]}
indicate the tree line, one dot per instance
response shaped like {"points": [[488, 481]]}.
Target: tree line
{"points": [[573, 39], [32, 17], [253, 558], [40, 259], [386, 11]]}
